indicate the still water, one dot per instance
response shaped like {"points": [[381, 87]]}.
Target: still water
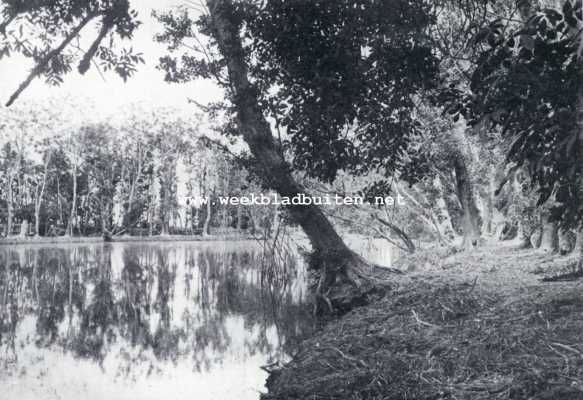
{"points": [[127, 321]]}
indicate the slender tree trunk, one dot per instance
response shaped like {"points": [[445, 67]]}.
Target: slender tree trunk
{"points": [[254, 222], [578, 246], [59, 200], [84, 217], [73, 215], [105, 215], [9, 205], [164, 207], [150, 206], [132, 190], [345, 278], [274, 223], [239, 219], [164, 202], [486, 207], [39, 200], [207, 218], [37, 218]]}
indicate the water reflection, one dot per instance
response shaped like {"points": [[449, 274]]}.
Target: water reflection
{"points": [[129, 321]]}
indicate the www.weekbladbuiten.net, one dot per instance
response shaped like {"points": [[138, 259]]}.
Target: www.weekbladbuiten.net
{"points": [[300, 199]]}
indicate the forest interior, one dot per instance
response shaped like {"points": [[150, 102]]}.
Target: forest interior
{"points": [[170, 169]]}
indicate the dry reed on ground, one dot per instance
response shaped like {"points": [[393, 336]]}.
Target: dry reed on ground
{"points": [[445, 341]]}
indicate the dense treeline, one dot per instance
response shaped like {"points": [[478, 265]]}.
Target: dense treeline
{"points": [[135, 177]]}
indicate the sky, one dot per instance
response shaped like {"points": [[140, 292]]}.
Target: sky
{"points": [[109, 93]]}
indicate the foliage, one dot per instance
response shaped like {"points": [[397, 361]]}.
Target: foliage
{"points": [[528, 83], [338, 77]]}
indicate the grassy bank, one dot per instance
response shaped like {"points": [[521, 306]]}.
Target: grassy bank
{"points": [[468, 326]]}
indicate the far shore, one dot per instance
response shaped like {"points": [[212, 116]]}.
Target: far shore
{"points": [[99, 239]]}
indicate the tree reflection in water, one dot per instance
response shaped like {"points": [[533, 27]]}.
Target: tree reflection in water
{"points": [[139, 310]]}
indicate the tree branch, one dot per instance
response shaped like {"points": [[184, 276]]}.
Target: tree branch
{"points": [[86, 61], [42, 64]]}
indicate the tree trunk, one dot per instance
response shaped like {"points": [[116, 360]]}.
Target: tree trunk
{"points": [[164, 207], [59, 200], [549, 238], [579, 143], [85, 217], [444, 217], [37, 219], [578, 247], [239, 219], [345, 279], [105, 215], [486, 206], [129, 208], [39, 199], [23, 228], [254, 223], [523, 237], [207, 218], [470, 214], [73, 215], [9, 206], [274, 226], [150, 206]]}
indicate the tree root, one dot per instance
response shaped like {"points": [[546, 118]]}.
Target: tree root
{"points": [[344, 280]]}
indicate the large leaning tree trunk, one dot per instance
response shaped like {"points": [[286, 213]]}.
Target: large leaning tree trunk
{"points": [[345, 279]]}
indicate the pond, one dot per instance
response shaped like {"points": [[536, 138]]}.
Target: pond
{"points": [[179, 320]]}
